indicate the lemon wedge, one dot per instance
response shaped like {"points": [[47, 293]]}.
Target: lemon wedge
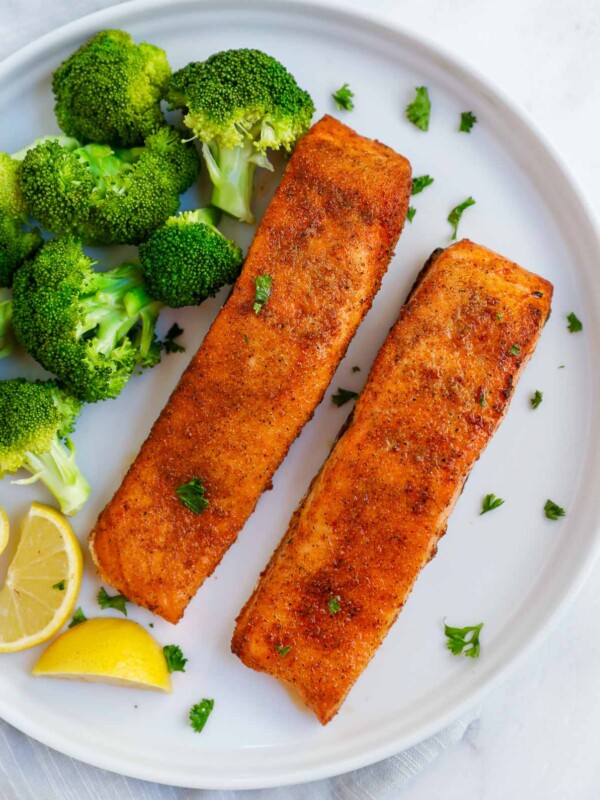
{"points": [[3, 530], [42, 582], [116, 651]]}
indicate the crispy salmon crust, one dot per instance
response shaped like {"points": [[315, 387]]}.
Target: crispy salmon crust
{"points": [[326, 241], [373, 516]]}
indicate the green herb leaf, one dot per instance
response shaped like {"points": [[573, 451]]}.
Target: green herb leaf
{"points": [[355, 369], [467, 120], [192, 495], [536, 398], [343, 98], [169, 344], [263, 291], [482, 399], [334, 604], [498, 317], [455, 215], [78, 617], [419, 110], [60, 586], [553, 511], [490, 502], [116, 601], [174, 658], [199, 714], [420, 183], [283, 651], [410, 213], [575, 325], [463, 641], [343, 396], [514, 350]]}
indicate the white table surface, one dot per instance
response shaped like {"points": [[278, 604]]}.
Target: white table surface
{"points": [[537, 736]]}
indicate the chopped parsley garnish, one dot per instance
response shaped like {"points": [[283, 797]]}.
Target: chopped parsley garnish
{"points": [[116, 601], [455, 215], [419, 110], [498, 317], [283, 651], [482, 399], [150, 624], [514, 350], [420, 183], [575, 325], [263, 291], [199, 713], [343, 396], [60, 586], [174, 658], [490, 502], [355, 369], [334, 605], [463, 641], [536, 398], [78, 617], [553, 511], [246, 339], [192, 495], [467, 120], [343, 98], [410, 213], [169, 344]]}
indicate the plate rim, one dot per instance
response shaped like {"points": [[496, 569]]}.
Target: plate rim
{"points": [[382, 22]]}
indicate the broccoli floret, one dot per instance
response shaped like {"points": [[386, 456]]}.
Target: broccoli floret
{"points": [[239, 103], [91, 329], [7, 336], [35, 420], [106, 196], [17, 240], [189, 259], [110, 90]]}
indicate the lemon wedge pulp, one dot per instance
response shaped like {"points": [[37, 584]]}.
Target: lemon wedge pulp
{"points": [[42, 582], [116, 651]]}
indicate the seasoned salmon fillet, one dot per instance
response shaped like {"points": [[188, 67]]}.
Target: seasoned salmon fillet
{"points": [[326, 241], [373, 516]]}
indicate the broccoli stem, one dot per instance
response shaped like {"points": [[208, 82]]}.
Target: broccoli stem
{"points": [[120, 303], [231, 171], [58, 471], [7, 336]]}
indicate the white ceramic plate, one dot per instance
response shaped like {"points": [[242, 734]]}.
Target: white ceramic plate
{"points": [[512, 569]]}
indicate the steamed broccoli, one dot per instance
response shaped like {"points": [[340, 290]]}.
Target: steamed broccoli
{"points": [[110, 90], [17, 242], [7, 336], [106, 196], [189, 259], [35, 418], [239, 103], [91, 329]]}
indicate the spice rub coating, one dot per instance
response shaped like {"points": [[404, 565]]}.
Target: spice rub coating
{"points": [[326, 240], [374, 514]]}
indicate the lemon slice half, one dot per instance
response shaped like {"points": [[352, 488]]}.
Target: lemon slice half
{"points": [[3, 530], [42, 582], [116, 651]]}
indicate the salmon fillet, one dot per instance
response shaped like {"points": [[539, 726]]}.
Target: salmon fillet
{"points": [[326, 240], [372, 517]]}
